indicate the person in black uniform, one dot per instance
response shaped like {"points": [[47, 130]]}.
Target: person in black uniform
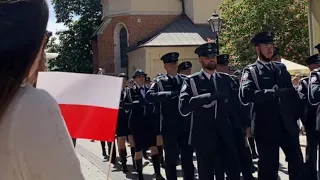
{"points": [[122, 125], [206, 96], [147, 84], [223, 66], [141, 125], [309, 117], [158, 116], [185, 68], [175, 135], [242, 123], [267, 84]]}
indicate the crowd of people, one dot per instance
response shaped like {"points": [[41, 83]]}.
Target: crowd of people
{"points": [[218, 115]]}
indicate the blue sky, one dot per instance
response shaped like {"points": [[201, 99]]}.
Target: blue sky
{"points": [[52, 25]]}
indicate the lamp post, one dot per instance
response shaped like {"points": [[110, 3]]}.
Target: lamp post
{"points": [[215, 23]]}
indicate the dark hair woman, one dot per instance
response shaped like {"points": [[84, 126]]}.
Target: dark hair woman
{"points": [[34, 141]]}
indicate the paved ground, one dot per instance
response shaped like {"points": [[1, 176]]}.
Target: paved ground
{"points": [[95, 168]]}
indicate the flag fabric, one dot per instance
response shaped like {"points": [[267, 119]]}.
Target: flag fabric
{"points": [[89, 103]]}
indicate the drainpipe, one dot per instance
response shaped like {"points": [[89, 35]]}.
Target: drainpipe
{"points": [[183, 7], [310, 22]]}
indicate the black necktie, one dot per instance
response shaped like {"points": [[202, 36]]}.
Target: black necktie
{"points": [[212, 82], [174, 79]]}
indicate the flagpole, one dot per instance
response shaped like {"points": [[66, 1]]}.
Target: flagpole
{"points": [[110, 158]]}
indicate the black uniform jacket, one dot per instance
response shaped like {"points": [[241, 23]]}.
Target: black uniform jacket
{"points": [[213, 119], [275, 101], [140, 108], [166, 91], [314, 99], [123, 115], [308, 115]]}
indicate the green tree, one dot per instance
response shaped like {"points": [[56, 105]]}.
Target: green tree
{"points": [[243, 19], [81, 18], [52, 46]]}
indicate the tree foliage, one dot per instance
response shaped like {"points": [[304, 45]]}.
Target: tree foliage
{"points": [[242, 19], [52, 46], [81, 18]]}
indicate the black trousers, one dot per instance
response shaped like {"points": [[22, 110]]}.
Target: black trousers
{"points": [[313, 141], [175, 143], [244, 155], [269, 156], [244, 158], [207, 164]]}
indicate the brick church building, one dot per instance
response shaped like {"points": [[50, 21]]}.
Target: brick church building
{"points": [[134, 34]]}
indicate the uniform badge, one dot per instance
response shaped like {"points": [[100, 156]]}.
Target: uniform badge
{"points": [[245, 76], [173, 56], [184, 87], [313, 79]]}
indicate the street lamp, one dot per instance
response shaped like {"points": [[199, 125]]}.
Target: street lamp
{"points": [[215, 23]]}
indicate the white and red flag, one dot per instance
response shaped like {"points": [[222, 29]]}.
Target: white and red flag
{"points": [[89, 103]]}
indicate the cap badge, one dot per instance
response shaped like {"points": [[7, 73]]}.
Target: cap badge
{"points": [[269, 33], [173, 56]]}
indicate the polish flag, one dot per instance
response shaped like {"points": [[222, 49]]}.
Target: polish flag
{"points": [[89, 103]]}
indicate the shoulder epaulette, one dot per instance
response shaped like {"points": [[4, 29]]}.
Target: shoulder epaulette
{"points": [[164, 77], [194, 74], [182, 75], [223, 74]]}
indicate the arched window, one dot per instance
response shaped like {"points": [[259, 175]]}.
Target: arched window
{"points": [[123, 47]]}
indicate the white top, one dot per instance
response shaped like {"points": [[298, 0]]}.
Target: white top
{"points": [[34, 141]]}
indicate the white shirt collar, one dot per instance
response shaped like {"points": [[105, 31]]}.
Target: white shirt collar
{"points": [[208, 75], [173, 76], [140, 86]]}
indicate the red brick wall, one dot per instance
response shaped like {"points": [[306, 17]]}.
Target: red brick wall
{"points": [[137, 31]]}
